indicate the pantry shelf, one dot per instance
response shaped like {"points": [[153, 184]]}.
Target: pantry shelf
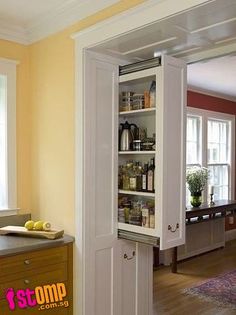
{"points": [[136, 193], [136, 152], [145, 111], [137, 229]]}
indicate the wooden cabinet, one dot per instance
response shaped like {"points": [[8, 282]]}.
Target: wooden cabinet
{"points": [[36, 269]]}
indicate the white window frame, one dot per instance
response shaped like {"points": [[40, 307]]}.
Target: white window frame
{"points": [[205, 115], [8, 68]]}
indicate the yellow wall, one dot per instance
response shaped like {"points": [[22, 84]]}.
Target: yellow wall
{"points": [[18, 52], [52, 107]]}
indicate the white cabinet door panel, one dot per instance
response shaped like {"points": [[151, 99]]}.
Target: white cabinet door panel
{"points": [[171, 117], [100, 186], [114, 285]]}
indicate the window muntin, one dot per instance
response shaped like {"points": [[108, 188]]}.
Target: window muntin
{"points": [[193, 140], [219, 178], [219, 139]]}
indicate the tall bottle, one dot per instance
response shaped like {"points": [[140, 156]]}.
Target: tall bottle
{"points": [[132, 177], [151, 176], [139, 173], [144, 178]]}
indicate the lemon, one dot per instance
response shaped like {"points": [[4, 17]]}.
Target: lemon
{"points": [[38, 226], [29, 225], [46, 226]]}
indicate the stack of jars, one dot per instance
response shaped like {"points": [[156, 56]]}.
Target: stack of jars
{"points": [[130, 176], [137, 212]]}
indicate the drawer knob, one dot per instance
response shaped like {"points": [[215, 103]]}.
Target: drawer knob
{"points": [[26, 281], [27, 262]]}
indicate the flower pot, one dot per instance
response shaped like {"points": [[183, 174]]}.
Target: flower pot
{"points": [[196, 199]]}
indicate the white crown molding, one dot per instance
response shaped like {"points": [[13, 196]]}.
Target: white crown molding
{"points": [[13, 33], [53, 21], [64, 16]]}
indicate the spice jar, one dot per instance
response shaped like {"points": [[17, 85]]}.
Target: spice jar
{"points": [[136, 145]]}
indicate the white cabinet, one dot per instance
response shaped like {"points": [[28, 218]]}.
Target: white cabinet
{"points": [[107, 273], [167, 121]]}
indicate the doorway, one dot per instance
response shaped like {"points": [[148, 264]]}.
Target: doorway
{"points": [[159, 27]]}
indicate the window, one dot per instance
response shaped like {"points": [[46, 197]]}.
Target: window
{"points": [[210, 144], [7, 135]]}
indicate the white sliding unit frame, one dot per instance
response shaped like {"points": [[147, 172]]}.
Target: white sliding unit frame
{"points": [[167, 121]]}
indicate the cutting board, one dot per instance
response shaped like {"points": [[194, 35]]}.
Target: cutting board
{"points": [[20, 230]]}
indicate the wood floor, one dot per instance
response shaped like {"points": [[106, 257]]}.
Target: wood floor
{"points": [[168, 299]]}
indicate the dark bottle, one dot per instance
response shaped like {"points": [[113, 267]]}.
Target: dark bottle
{"points": [[139, 172], [150, 176], [144, 178]]}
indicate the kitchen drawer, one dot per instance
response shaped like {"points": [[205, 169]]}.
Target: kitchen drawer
{"points": [[32, 278], [32, 260]]}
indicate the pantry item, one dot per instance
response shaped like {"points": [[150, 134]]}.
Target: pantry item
{"points": [[138, 101], [146, 99], [126, 101], [136, 145], [145, 217], [127, 136], [152, 218], [153, 94]]}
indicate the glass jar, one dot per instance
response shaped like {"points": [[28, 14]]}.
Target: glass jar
{"points": [[135, 215]]}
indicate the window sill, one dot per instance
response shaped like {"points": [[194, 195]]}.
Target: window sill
{"points": [[7, 212]]}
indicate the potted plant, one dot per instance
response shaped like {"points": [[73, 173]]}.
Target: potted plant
{"points": [[196, 178]]}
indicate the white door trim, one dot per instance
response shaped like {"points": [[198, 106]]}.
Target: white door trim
{"points": [[133, 19]]}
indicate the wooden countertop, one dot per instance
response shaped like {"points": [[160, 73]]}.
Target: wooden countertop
{"points": [[12, 245], [205, 209]]}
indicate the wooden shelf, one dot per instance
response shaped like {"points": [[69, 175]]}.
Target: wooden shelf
{"points": [[136, 193]]}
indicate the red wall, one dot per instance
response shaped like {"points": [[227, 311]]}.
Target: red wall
{"points": [[213, 103]]}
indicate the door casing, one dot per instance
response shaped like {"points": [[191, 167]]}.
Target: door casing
{"points": [[130, 21]]}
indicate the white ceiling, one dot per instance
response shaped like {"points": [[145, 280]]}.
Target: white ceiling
{"points": [[206, 30], [203, 31], [26, 21], [215, 76], [24, 12]]}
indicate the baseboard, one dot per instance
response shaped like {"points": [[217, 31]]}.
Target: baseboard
{"points": [[201, 251], [230, 235]]}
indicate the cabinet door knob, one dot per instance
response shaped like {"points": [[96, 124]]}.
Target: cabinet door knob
{"points": [[129, 258], [27, 262], [26, 281], [173, 230]]}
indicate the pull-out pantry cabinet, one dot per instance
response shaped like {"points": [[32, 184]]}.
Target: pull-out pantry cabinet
{"points": [[113, 265], [166, 120]]}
